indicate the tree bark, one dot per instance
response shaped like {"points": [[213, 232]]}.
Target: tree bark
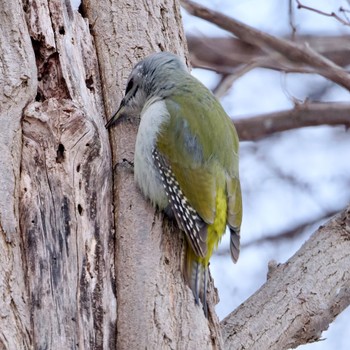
{"points": [[17, 88], [62, 239]]}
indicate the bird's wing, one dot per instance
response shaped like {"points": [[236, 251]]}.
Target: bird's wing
{"points": [[189, 150], [186, 215], [192, 143]]}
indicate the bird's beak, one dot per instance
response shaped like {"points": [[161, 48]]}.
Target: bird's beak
{"points": [[116, 115]]}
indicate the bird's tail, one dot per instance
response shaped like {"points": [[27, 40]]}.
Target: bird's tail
{"points": [[196, 275]]}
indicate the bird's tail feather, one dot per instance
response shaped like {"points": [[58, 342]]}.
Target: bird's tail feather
{"points": [[196, 275]]}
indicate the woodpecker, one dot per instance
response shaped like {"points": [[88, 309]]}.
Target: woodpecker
{"points": [[186, 159]]}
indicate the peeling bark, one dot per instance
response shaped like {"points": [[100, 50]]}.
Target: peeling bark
{"points": [[65, 239], [66, 226]]}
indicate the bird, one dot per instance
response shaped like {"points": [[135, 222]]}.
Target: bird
{"points": [[186, 160]]}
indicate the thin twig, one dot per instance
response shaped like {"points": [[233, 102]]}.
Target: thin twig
{"points": [[285, 235], [291, 19], [227, 80], [327, 14], [345, 12]]}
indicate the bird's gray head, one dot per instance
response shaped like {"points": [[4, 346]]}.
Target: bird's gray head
{"points": [[155, 76]]}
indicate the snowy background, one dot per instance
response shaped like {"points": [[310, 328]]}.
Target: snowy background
{"points": [[291, 178]]}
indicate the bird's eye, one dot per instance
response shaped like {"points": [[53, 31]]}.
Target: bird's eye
{"points": [[130, 85]]}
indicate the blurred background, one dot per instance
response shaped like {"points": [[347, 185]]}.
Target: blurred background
{"points": [[292, 181]]}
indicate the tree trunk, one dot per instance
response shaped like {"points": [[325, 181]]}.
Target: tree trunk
{"points": [[62, 240]]}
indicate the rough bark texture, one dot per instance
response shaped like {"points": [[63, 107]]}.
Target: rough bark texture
{"points": [[17, 88], [65, 244], [300, 298], [155, 308]]}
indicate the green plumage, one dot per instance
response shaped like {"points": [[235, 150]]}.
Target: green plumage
{"points": [[200, 143], [186, 158]]}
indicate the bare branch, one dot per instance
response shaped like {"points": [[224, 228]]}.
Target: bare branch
{"points": [[224, 54], [345, 13], [228, 79], [300, 298], [279, 49], [291, 19], [307, 114], [327, 14], [293, 232]]}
